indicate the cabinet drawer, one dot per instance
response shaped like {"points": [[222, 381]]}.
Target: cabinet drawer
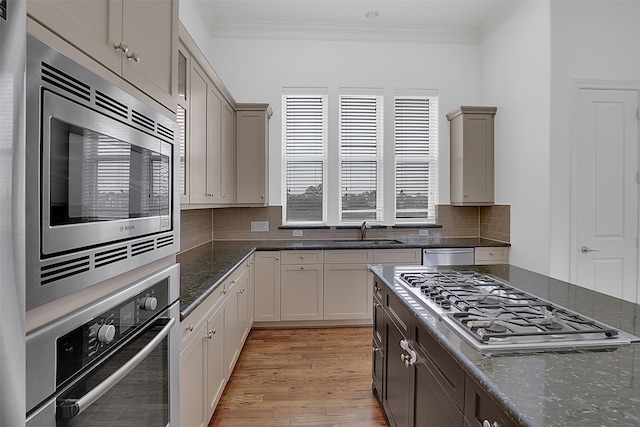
{"points": [[301, 257], [479, 408], [411, 256], [378, 290], [446, 371], [400, 315], [192, 322], [348, 256], [491, 255]]}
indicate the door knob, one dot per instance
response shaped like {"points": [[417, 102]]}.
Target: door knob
{"points": [[586, 250]]}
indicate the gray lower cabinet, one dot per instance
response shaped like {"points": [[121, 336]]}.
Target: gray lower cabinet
{"points": [[416, 379]]}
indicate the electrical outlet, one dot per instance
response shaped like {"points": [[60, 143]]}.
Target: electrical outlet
{"points": [[259, 225], [423, 232], [297, 233]]}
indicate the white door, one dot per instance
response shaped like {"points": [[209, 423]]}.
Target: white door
{"points": [[607, 192]]}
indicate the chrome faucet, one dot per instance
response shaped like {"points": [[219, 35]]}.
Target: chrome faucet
{"points": [[363, 230]]}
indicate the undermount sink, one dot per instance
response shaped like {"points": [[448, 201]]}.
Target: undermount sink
{"points": [[370, 242]]}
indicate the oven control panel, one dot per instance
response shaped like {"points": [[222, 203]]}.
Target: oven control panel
{"points": [[81, 346]]}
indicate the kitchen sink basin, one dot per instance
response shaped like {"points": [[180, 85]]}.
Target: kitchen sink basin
{"points": [[370, 242]]}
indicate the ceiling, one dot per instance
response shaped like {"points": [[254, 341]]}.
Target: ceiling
{"points": [[453, 21]]}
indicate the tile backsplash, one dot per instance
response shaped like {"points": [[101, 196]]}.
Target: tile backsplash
{"points": [[203, 225]]}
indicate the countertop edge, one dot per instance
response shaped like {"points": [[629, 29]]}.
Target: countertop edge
{"points": [[199, 300]]}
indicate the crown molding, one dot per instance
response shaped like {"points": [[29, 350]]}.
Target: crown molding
{"points": [[332, 32]]}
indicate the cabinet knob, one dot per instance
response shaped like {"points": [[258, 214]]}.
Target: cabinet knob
{"points": [[135, 56], [491, 253], [301, 256], [122, 46], [241, 291], [378, 305], [210, 334], [189, 328], [277, 258], [486, 423], [262, 196], [301, 268]]}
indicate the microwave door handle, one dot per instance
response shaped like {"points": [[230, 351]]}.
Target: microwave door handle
{"points": [[69, 408]]}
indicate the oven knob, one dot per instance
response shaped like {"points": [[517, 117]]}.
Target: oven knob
{"points": [[148, 303], [106, 333]]}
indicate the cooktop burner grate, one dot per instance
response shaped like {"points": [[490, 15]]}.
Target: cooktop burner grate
{"points": [[496, 315]]}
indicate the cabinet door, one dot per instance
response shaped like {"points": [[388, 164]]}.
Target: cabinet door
{"points": [[432, 406], [472, 156], [198, 140], [397, 380], [183, 114], [227, 161], [192, 381], [267, 287], [232, 350], [251, 137], [378, 355], [243, 292], [214, 146], [151, 32], [94, 26], [347, 292], [215, 361], [301, 292]]}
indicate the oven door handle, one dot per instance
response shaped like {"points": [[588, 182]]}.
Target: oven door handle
{"points": [[69, 408]]}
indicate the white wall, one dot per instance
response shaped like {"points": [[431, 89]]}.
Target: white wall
{"points": [[526, 68], [257, 70], [515, 78], [595, 40]]}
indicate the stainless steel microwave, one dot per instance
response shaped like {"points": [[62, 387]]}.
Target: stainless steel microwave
{"points": [[100, 178]]}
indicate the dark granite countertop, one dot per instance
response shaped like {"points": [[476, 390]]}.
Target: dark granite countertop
{"points": [[581, 388], [205, 267]]}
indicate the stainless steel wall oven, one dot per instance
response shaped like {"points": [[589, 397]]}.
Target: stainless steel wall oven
{"points": [[100, 178], [111, 363]]}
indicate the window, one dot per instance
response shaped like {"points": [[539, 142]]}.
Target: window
{"points": [[305, 152], [351, 162], [416, 156], [360, 157]]}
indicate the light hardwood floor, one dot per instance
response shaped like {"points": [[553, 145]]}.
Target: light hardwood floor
{"points": [[302, 377]]}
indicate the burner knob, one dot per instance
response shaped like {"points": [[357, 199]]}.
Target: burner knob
{"points": [[106, 333], [148, 303], [445, 303]]}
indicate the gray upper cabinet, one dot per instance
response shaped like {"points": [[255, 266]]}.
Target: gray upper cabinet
{"points": [[253, 153], [136, 40], [472, 158]]}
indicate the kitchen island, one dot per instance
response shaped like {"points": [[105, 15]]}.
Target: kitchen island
{"points": [[545, 388]]}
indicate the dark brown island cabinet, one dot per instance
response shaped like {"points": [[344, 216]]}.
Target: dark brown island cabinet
{"points": [[417, 381]]}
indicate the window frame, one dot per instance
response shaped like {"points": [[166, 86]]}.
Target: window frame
{"points": [[431, 159], [320, 93], [376, 156]]}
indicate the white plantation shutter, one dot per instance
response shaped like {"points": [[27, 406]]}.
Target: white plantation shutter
{"points": [[305, 145], [360, 157], [416, 155]]}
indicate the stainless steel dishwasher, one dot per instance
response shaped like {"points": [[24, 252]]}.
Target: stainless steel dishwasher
{"points": [[447, 256]]}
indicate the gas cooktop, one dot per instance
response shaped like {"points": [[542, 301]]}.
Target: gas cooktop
{"points": [[494, 316]]}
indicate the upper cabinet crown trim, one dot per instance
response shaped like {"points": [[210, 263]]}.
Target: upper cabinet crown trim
{"points": [[470, 109]]}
